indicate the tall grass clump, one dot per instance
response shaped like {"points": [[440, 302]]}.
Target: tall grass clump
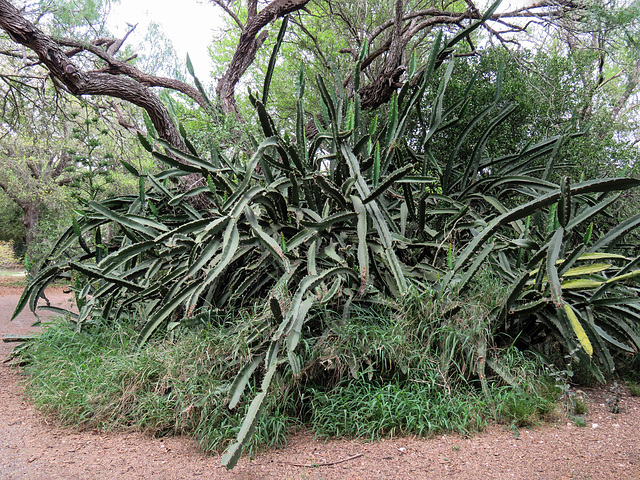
{"points": [[101, 379]]}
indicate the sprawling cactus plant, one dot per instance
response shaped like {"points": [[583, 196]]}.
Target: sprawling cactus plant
{"points": [[360, 212]]}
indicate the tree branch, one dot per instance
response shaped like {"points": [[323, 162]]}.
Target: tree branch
{"points": [[80, 83], [230, 12], [119, 67], [251, 39]]}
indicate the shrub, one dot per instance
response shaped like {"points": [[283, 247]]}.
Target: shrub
{"points": [[8, 257]]}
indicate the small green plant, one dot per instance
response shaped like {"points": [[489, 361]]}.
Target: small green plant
{"points": [[580, 406], [522, 409], [615, 395], [634, 388], [579, 421]]}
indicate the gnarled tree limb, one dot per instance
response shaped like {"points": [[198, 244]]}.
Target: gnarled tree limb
{"points": [[251, 39], [78, 82]]}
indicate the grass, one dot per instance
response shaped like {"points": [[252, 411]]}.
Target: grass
{"points": [[11, 278], [101, 380], [370, 410], [371, 377], [634, 388]]}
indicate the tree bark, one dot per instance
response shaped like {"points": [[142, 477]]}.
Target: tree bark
{"points": [[251, 39], [30, 220]]}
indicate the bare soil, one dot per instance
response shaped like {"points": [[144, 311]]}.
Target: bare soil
{"points": [[34, 447]]}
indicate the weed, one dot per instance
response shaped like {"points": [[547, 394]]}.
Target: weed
{"points": [[580, 406], [634, 388], [521, 409], [613, 400], [579, 421]]}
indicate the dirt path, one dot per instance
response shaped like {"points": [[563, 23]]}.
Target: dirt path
{"points": [[31, 447]]}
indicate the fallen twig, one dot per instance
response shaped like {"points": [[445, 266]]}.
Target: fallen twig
{"points": [[317, 465]]}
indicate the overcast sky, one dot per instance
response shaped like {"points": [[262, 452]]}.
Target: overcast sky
{"points": [[187, 23]]}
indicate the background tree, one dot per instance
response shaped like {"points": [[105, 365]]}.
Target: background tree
{"points": [[56, 158], [389, 43]]}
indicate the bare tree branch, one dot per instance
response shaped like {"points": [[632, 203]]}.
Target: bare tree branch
{"points": [[120, 67], [230, 12]]}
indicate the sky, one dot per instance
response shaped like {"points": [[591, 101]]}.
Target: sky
{"points": [[189, 24]]}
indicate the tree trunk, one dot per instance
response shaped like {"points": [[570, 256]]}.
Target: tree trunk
{"points": [[30, 220], [251, 39]]}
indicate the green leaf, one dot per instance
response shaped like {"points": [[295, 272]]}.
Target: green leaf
{"points": [[363, 248], [130, 168], [146, 144], [615, 233], [586, 269], [295, 333], [231, 457], [241, 381], [93, 273], [564, 205], [376, 165], [143, 225], [471, 28], [189, 163], [121, 256], [273, 59], [37, 286], [392, 122], [269, 243], [331, 190], [190, 66], [555, 244], [327, 222], [475, 265], [232, 202], [391, 178], [626, 276], [580, 283]]}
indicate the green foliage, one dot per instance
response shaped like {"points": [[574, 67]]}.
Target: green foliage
{"points": [[522, 409], [100, 378], [81, 19], [11, 226], [363, 215], [92, 164], [367, 409], [104, 381]]}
